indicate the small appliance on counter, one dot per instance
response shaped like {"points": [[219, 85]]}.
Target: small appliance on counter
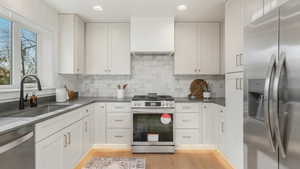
{"points": [[61, 95], [153, 124], [199, 90]]}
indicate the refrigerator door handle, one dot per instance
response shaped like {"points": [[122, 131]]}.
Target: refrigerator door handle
{"points": [[267, 112], [279, 137]]}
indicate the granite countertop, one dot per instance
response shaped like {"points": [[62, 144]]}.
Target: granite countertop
{"points": [[8, 123]]}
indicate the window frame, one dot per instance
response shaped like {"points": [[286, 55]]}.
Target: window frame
{"points": [[16, 70], [12, 62]]}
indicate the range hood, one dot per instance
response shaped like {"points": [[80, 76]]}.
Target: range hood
{"points": [[152, 36]]}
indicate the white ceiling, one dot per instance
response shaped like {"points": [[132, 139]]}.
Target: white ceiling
{"points": [[198, 10]]}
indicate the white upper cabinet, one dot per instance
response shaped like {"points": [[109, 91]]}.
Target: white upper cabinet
{"points": [[234, 36], [120, 60], [108, 49], [186, 48], [209, 42], [197, 48], [71, 58], [255, 9], [152, 35], [96, 48]]}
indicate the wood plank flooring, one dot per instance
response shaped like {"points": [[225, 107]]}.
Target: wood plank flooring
{"points": [[202, 159]]}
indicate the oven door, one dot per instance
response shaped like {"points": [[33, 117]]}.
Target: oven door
{"points": [[153, 127]]}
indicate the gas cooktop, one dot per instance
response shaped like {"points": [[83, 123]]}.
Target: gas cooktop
{"points": [[152, 97]]}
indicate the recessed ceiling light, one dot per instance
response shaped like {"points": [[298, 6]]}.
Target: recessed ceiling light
{"points": [[98, 8], [181, 7]]}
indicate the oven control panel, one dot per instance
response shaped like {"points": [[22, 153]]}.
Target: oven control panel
{"points": [[153, 104]]}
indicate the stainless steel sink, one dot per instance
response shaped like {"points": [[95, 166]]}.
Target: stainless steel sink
{"points": [[32, 112]]}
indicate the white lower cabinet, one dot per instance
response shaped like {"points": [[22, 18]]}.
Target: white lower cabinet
{"points": [[49, 152], [100, 123], [73, 145], [119, 136], [187, 136]]}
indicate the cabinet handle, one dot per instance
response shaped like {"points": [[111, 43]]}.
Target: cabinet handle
{"points": [[78, 69], [118, 136], [119, 120], [186, 137], [237, 84], [87, 110], [86, 126], [241, 83], [65, 141], [241, 58], [119, 107], [186, 120], [222, 127], [186, 107], [199, 70], [69, 136], [236, 60]]}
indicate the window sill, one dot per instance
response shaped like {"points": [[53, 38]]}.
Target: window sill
{"points": [[13, 94]]}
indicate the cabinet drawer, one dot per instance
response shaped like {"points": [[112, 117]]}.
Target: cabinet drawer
{"points": [[187, 107], [118, 107], [187, 120], [119, 120], [187, 136], [51, 126], [119, 136]]}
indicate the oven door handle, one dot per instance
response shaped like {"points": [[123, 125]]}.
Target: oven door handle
{"points": [[15, 143], [152, 112]]}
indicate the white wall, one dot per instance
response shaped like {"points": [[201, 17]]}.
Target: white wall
{"points": [[38, 15]]}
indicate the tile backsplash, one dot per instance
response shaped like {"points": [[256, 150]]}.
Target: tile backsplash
{"points": [[149, 74]]}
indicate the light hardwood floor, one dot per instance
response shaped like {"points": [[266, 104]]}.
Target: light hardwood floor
{"points": [[180, 160]]}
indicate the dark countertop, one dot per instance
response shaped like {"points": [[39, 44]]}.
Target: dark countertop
{"points": [[219, 101], [8, 123]]}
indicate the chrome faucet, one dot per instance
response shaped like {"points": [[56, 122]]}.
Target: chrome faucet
{"points": [[22, 100]]}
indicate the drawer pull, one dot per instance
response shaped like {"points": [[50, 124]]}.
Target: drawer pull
{"points": [[118, 120], [118, 136], [65, 141], [186, 137], [119, 107], [186, 107], [186, 121], [69, 136]]}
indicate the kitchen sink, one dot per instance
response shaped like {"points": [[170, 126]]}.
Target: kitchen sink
{"points": [[32, 112]]}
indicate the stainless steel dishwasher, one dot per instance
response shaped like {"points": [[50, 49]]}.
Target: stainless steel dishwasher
{"points": [[17, 149]]}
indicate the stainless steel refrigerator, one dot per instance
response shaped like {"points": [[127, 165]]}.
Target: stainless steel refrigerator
{"points": [[272, 90]]}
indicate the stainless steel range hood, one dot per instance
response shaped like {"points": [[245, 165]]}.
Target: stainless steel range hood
{"points": [[152, 36]]}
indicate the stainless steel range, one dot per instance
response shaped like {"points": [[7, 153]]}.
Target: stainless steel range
{"points": [[153, 117]]}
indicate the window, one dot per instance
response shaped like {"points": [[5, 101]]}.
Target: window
{"points": [[5, 52], [28, 52], [18, 53]]}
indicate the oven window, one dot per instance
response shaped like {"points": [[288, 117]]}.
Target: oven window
{"points": [[144, 124]]}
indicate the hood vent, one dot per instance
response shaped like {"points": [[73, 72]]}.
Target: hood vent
{"points": [[152, 36]]}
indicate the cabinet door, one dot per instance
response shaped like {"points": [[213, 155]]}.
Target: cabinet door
{"points": [[100, 123], [209, 51], [119, 50], [86, 135], [234, 119], [49, 153], [72, 153], [97, 48], [269, 5], [234, 36], [79, 45], [186, 48], [210, 124], [253, 9]]}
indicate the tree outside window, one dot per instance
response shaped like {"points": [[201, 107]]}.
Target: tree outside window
{"points": [[28, 52], [5, 51]]}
